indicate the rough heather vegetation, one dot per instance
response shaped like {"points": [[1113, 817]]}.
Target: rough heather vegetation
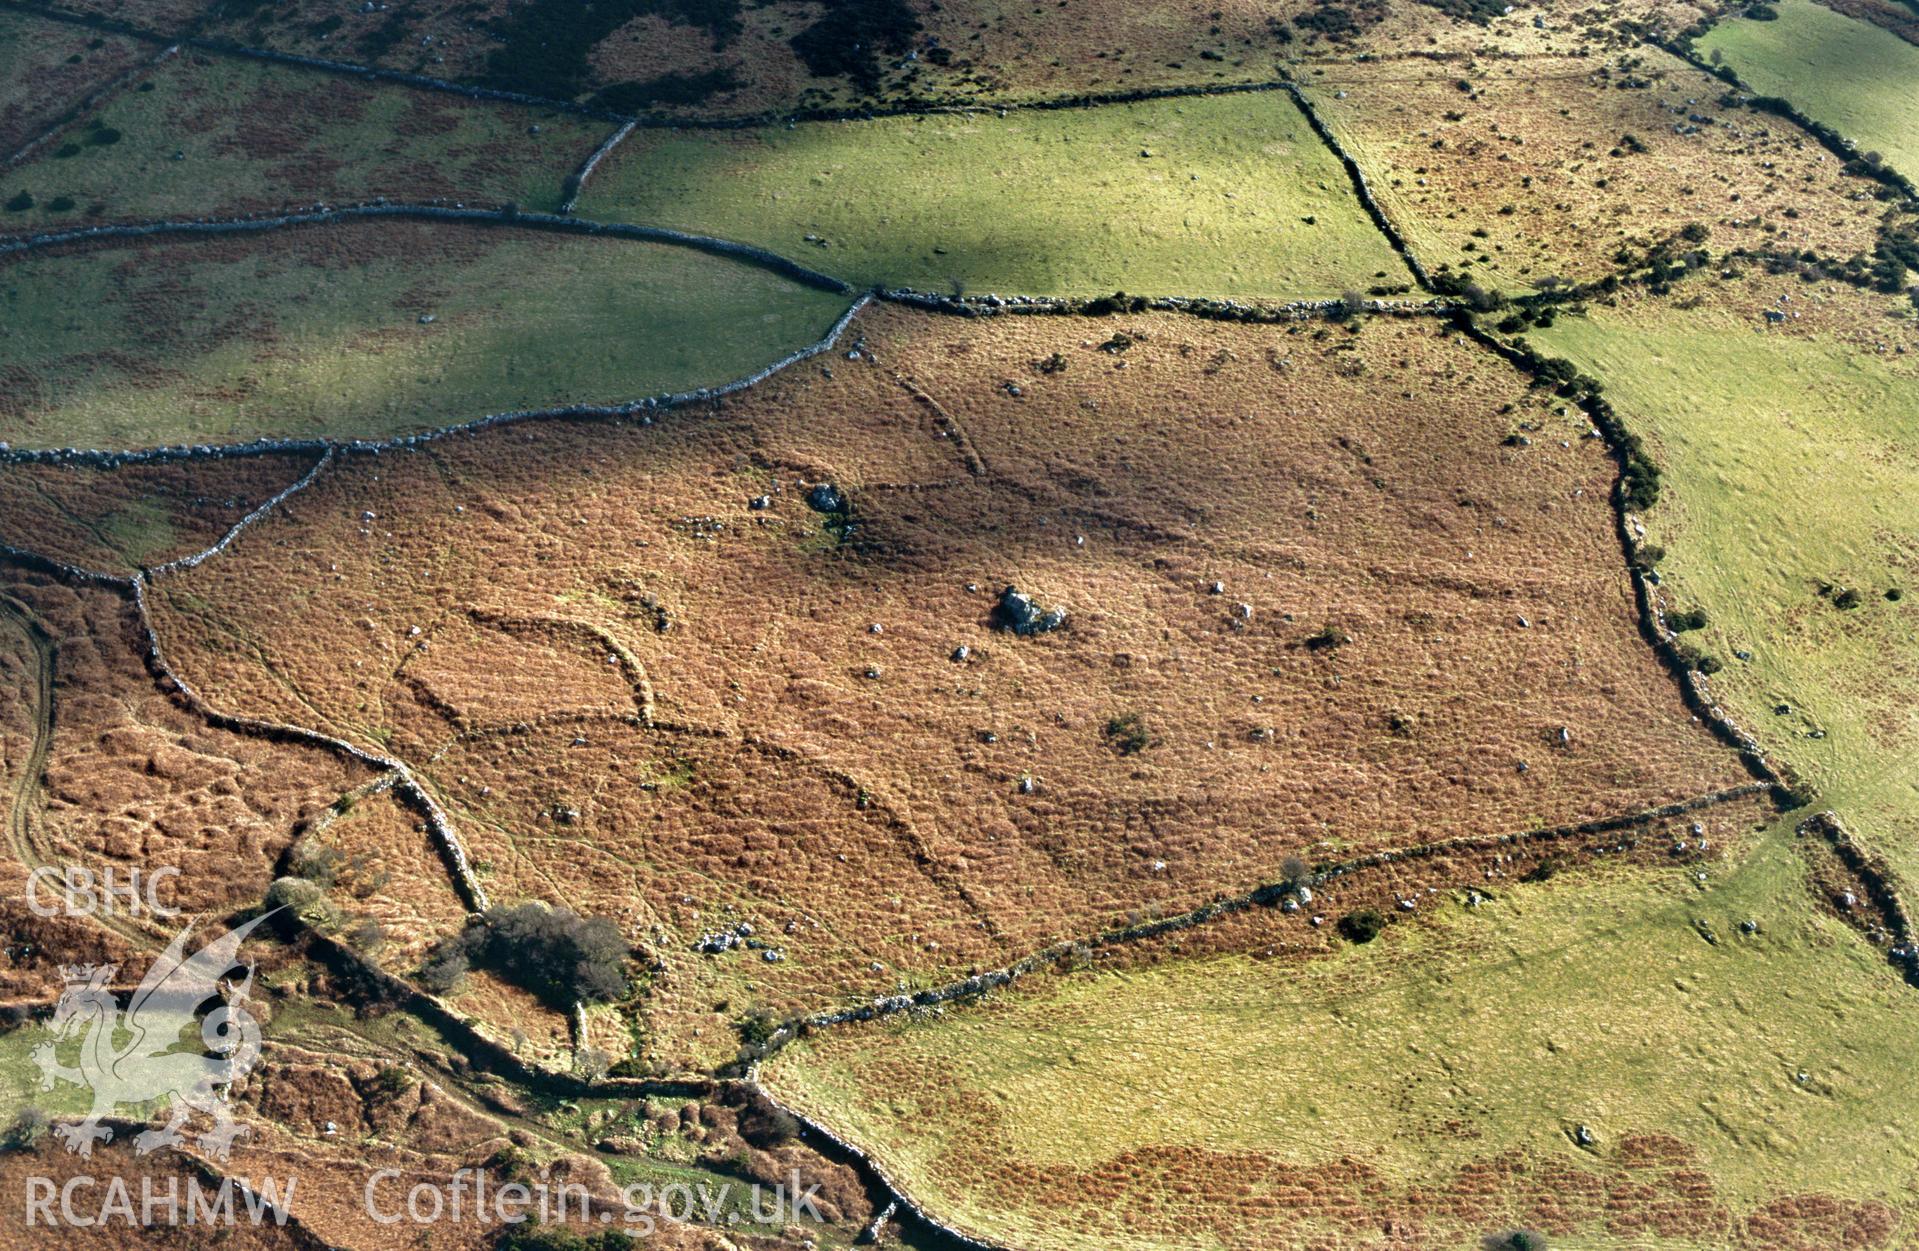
{"points": [[1184, 625]]}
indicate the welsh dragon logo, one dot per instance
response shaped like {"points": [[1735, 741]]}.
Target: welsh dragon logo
{"points": [[130, 1057]]}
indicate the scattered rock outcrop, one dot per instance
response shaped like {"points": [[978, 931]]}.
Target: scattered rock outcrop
{"points": [[1017, 612]]}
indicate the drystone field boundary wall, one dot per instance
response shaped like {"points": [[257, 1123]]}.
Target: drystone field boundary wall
{"points": [[1272, 893], [134, 586], [576, 182], [1830, 139], [1362, 188], [326, 215], [991, 304], [109, 458], [1651, 613], [267, 506], [973, 987], [1881, 887], [87, 103], [439, 828]]}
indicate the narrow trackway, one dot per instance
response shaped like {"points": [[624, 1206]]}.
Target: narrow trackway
{"points": [[26, 789], [24, 828], [24, 841]]}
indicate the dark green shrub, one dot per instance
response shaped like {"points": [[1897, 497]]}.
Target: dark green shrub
{"points": [[756, 1027], [766, 1125], [1127, 733], [1639, 485], [1693, 658], [446, 965], [1326, 640], [1362, 926], [27, 1129], [1118, 302], [1514, 1240], [20, 203], [555, 953]]}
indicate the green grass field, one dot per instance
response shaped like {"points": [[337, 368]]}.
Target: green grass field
{"points": [[1220, 196], [46, 66], [1789, 460], [1858, 78], [204, 136], [1590, 1000], [1791, 457], [319, 331]]}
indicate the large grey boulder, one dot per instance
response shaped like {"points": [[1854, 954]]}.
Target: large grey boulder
{"points": [[1017, 612]]}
